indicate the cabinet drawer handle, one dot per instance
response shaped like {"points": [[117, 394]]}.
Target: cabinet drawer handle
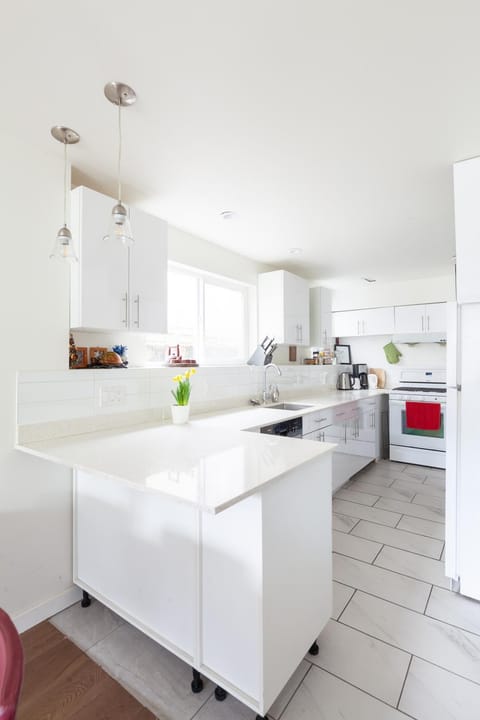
{"points": [[137, 303], [321, 420], [125, 300]]}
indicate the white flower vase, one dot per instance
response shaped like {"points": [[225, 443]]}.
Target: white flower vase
{"points": [[180, 414]]}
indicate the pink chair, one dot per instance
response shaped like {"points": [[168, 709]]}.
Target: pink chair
{"points": [[11, 667]]}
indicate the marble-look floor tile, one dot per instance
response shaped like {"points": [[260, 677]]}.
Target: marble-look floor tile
{"points": [[355, 547], [343, 523], [229, 709], [439, 473], [341, 596], [288, 691], [437, 482], [422, 527], [405, 508], [392, 464], [431, 693], [388, 492], [86, 626], [359, 497], [369, 664], [156, 677], [455, 609], [416, 471], [420, 635], [363, 512], [431, 501], [399, 539], [418, 487], [442, 556], [374, 478], [410, 593], [415, 566], [322, 696]]}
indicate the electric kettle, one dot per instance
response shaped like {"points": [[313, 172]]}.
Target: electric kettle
{"points": [[345, 381]]}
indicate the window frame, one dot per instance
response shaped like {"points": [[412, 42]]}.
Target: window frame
{"points": [[248, 294]]}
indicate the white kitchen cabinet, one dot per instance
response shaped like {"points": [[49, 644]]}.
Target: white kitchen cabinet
{"points": [[114, 287], [370, 321], [320, 317], [424, 319], [466, 178], [205, 585], [283, 307]]}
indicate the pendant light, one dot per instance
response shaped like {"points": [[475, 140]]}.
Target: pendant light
{"points": [[120, 230], [63, 248]]}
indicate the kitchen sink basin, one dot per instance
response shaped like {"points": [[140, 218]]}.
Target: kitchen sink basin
{"points": [[287, 406]]}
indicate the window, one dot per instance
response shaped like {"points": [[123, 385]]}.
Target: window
{"points": [[208, 314]]}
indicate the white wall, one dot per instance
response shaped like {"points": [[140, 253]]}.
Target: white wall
{"points": [[359, 294], [35, 497]]}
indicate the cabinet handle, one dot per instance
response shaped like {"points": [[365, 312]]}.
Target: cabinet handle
{"points": [[358, 327], [137, 303], [300, 327], [423, 324], [428, 323], [125, 300], [321, 420], [364, 326]]}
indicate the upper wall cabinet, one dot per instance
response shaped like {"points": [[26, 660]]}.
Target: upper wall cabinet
{"points": [[283, 307], [320, 317], [114, 287], [373, 321], [430, 318], [466, 176]]}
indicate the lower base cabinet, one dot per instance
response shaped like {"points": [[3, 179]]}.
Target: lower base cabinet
{"points": [[356, 429], [240, 595]]}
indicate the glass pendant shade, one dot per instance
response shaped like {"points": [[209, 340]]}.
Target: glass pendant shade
{"points": [[120, 229], [63, 248]]}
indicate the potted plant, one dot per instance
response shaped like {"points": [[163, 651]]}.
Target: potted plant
{"points": [[181, 394]]}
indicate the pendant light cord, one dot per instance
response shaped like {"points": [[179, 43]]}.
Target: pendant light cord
{"points": [[65, 184], [119, 151]]}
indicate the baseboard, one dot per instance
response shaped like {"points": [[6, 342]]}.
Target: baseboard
{"points": [[26, 620]]}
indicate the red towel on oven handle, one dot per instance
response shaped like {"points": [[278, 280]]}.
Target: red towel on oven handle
{"points": [[423, 415]]}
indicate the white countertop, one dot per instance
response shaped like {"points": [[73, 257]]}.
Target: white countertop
{"points": [[210, 462]]}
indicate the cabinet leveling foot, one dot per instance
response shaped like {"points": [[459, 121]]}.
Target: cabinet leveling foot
{"points": [[86, 599], [220, 694], [197, 682], [314, 649]]}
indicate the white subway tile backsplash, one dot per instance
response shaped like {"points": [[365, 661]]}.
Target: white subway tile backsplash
{"points": [[50, 397]]}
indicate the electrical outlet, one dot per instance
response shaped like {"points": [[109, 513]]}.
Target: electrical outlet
{"points": [[113, 396]]}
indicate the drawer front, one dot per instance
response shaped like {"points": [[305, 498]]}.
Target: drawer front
{"points": [[316, 420]]}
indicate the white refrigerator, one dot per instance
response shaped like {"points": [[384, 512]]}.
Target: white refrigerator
{"points": [[462, 550]]}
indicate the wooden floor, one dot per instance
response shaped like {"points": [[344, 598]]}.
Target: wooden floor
{"points": [[62, 682]]}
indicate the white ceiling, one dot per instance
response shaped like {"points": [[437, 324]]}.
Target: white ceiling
{"points": [[330, 126]]}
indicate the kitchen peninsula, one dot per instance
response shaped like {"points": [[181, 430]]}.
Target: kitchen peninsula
{"points": [[213, 541]]}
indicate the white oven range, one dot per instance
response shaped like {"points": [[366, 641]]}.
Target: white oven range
{"points": [[414, 445]]}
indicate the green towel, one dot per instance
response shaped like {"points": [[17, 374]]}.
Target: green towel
{"points": [[392, 353]]}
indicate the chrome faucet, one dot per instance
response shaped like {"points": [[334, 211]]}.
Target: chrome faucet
{"points": [[272, 393]]}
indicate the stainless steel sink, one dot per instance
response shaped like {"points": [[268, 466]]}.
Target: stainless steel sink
{"points": [[287, 406]]}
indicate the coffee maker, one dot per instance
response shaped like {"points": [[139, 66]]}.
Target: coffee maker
{"points": [[360, 371]]}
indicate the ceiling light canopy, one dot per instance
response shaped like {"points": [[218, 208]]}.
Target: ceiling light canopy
{"points": [[63, 247], [295, 250], [120, 229], [228, 215]]}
